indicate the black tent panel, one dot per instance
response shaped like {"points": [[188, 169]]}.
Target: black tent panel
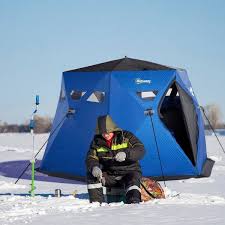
{"points": [[191, 120], [174, 112], [124, 64]]}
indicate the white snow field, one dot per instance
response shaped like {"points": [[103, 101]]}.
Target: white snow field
{"points": [[191, 201]]}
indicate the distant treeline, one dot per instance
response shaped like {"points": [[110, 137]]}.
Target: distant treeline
{"points": [[220, 126], [42, 125]]}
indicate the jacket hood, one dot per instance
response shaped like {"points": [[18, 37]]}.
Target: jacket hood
{"points": [[105, 124]]}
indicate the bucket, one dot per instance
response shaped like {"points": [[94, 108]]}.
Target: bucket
{"points": [[58, 193], [115, 194]]}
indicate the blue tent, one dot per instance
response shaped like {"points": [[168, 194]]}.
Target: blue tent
{"points": [[155, 102]]}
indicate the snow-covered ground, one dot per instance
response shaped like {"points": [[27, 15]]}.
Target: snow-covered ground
{"points": [[192, 201]]}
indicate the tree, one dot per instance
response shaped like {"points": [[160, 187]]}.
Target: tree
{"points": [[42, 124], [214, 115]]}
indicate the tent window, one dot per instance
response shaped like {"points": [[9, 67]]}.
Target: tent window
{"points": [[76, 95], [147, 95], [97, 97]]}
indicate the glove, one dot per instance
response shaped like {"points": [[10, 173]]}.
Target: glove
{"points": [[96, 172], [120, 156]]}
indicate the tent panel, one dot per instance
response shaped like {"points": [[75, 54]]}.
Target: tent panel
{"points": [[183, 81], [61, 111], [174, 160], [66, 152], [124, 99], [190, 119]]}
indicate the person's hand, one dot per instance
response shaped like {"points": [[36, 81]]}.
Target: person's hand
{"points": [[120, 156], [96, 172]]}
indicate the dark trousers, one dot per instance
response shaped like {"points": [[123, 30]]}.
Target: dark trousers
{"points": [[130, 181]]}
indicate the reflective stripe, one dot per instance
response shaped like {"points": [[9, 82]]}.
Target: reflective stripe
{"points": [[102, 149], [93, 186], [134, 187], [119, 146], [114, 147]]}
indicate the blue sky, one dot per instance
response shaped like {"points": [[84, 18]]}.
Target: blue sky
{"points": [[40, 39]]}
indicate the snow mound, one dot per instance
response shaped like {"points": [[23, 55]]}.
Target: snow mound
{"points": [[216, 158], [14, 149], [15, 208], [190, 199], [6, 185], [169, 193], [219, 168], [198, 180]]}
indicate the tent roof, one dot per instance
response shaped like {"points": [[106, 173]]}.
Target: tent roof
{"points": [[125, 63]]}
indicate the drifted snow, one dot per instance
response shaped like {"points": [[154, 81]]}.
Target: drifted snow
{"points": [[191, 201], [6, 186]]}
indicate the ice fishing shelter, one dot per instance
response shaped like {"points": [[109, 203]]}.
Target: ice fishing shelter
{"points": [[155, 102]]}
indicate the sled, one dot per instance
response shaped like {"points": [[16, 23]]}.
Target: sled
{"points": [[151, 189]]}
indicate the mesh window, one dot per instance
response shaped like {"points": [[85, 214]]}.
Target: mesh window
{"points": [[76, 95], [97, 97], [147, 95]]}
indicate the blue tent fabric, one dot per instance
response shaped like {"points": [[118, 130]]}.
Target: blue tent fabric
{"points": [[119, 86]]}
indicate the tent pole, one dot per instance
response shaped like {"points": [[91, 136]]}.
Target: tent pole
{"points": [[150, 112], [203, 110]]}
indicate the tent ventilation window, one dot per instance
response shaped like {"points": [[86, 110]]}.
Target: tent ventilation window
{"points": [[172, 113], [76, 95], [97, 97], [147, 95], [169, 92]]}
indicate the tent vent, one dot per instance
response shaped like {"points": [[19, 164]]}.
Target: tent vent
{"points": [[76, 95], [96, 97], [147, 95], [169, 92]]}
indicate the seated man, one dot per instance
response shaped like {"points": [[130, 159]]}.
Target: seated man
{"points": [[113, 160]]}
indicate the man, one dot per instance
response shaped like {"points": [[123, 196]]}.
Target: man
{"points": [[112, 160]]}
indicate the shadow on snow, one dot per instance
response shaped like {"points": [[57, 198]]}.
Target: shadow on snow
{"points": [[14, 169]]}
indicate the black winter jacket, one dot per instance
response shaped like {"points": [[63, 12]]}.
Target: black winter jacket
{"points": [[102, 156]]}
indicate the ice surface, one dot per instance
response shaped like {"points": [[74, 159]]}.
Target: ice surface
{"points": [[191, 201]]}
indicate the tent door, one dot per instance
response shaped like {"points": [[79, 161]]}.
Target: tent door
{"points": [[177, 112]]}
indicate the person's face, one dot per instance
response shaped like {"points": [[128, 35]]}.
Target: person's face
{"points": [[108, 136]]}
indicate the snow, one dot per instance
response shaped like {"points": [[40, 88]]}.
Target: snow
{"points": [[6, 185], [191, 201]]}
